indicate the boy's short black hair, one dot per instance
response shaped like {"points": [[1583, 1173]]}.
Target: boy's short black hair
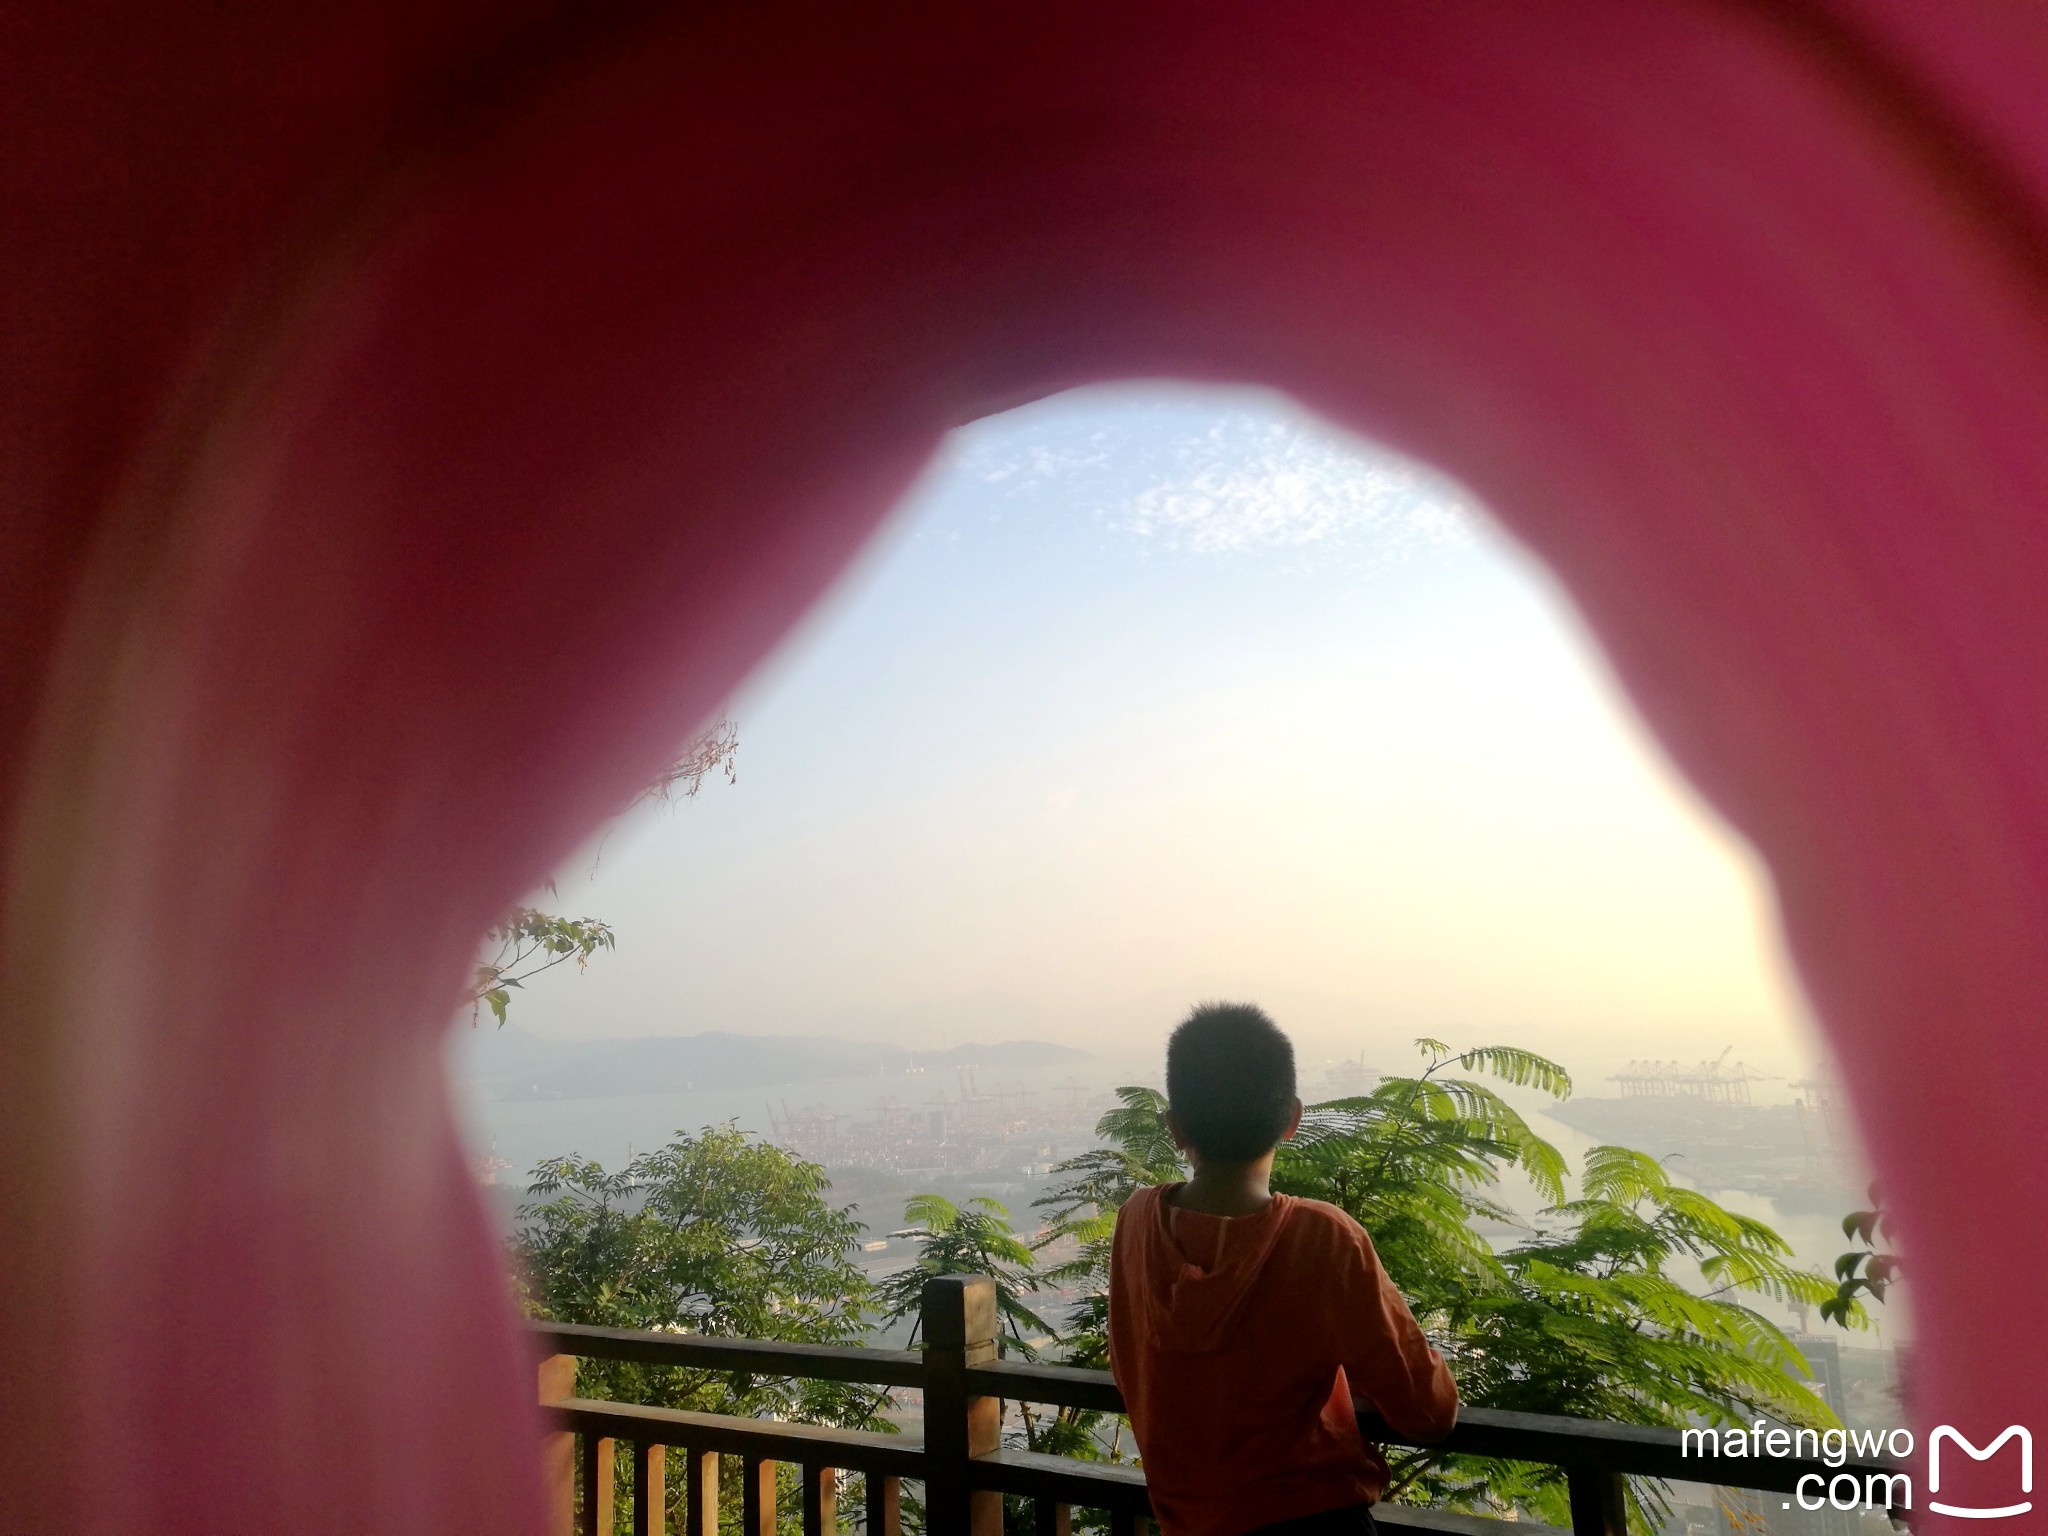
{"points": [[1230, 1081]]}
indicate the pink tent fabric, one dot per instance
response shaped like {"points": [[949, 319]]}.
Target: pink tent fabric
{"points": [[414, 418]]}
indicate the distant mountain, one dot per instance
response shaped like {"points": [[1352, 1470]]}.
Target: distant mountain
{"points": [[512, 1064]]}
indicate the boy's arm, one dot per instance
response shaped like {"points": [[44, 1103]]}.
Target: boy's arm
{"points": [[1385, 1356]]}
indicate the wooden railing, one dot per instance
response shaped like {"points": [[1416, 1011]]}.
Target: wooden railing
{"points": [[967, 1471]]}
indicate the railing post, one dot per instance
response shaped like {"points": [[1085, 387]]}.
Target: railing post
{"points": [[558, 1448], [1599, 1501], [959, 1332]]}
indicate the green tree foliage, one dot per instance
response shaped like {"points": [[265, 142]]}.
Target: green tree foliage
{"points": [[1623, 1303], [1862, 1271], [1624, 1307], [526, 943], [716, 1233], [974, 1239], [1417, 1159]]}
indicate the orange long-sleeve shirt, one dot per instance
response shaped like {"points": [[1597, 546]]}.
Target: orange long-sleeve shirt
{"points": [[1238, 1344]]}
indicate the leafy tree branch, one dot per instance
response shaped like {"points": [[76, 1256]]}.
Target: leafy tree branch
{"points": [[530, 941]]}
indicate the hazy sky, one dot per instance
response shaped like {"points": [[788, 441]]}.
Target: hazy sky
{"points": [[1152, 695]]}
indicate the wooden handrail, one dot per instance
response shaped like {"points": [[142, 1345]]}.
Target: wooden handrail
{"points": [[966, 1471], [852, 1450], [757, 1357], [1639, 1450], [1026, 1381]]}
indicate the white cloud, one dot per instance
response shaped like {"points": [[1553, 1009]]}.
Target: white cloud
{"points": [[1035, 464], [1245, 485], [1212, 483]]}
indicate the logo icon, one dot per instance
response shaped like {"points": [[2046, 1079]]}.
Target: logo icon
{"points": [[1970, 1511]]}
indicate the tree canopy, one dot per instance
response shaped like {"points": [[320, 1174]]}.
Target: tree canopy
{"points": [[716, 1233]]}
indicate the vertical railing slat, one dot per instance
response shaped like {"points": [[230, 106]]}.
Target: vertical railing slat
{"points": [[757, 1497], [1049, 1517], [821, 1501], [1599, 1501], [650, 1491], [595, 1512], [700, 1493], [884, 1505]]}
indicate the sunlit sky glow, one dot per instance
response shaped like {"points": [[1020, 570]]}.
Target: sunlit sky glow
{"points": [[1150, 695]]}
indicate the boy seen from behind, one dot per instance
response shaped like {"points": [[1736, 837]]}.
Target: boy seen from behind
{"points": [[1243, 1324]]}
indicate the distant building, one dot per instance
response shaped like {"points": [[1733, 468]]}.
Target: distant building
{"points": [[1707, 1082]]}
